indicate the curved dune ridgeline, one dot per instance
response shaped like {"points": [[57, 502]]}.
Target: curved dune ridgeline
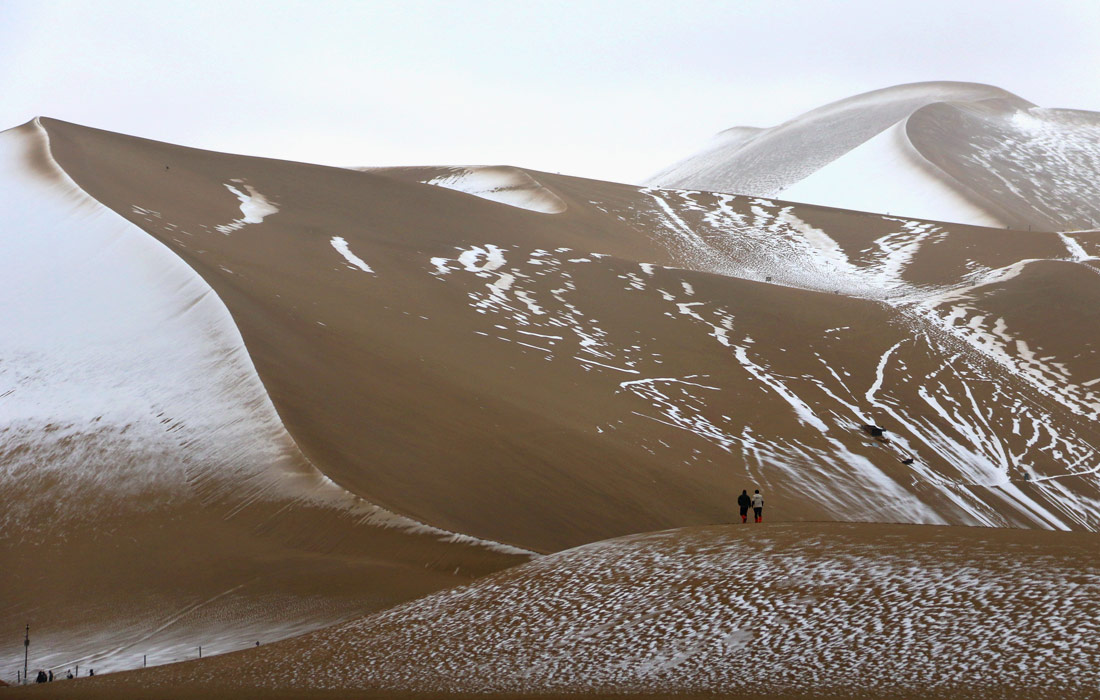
{"points": [[150, 499], [960, 152]]}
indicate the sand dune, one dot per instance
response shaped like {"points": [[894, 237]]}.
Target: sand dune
{"points": [[247, 398], [152, 500], [822, 610], [504, 184], [433, 384], [956, 152]]}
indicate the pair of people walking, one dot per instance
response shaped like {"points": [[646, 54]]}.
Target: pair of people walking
{"points": [[755, 501]]}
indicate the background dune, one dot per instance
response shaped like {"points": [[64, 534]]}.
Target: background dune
{"points": [[959, 152]]}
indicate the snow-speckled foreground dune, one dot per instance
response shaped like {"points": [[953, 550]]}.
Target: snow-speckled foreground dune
{"points": [[807, 610], [959, 152]]}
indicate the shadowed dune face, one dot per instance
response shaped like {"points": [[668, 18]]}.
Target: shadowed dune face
{"points": [[634, 361], [949, 151], [150, 499], [825, 610]]}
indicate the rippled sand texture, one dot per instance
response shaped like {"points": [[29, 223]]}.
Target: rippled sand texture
{"points": [[823, 610]]}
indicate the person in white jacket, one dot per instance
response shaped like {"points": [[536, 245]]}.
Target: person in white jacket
{"points": [[758, 506]]}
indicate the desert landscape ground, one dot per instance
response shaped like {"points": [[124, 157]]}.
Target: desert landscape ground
{"points": [[457, 430]]}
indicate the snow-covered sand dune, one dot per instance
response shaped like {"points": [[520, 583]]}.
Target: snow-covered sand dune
{"points": [[496, 183], [707, 339], [827, 610], [139, 449], [957, 152], [496, 374]]}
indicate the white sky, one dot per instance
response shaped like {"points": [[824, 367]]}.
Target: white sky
{"points": [[613, 90]]}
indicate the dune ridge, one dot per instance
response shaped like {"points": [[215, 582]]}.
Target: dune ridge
{"points": [[133, 423], [957, 152]]}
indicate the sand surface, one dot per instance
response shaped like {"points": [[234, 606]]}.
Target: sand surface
{"points": [[152, 501], [245, 399], [803, 610]]}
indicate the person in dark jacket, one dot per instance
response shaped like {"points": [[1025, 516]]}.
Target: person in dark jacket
{"points": [[758, 506], [743, 502]]}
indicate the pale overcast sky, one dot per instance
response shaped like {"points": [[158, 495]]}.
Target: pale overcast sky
{"points": [[612, 90]]}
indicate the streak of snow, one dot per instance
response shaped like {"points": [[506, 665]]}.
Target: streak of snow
{"points": [[353, 260]]}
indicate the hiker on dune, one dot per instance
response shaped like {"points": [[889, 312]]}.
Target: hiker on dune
{"points": [[743, 502], [758, 506]]}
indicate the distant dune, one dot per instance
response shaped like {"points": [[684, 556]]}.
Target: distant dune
{"points": [[244, 399], [958, 152], [504, 184]]}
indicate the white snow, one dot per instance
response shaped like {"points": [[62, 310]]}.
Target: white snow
{"points": [[254, 207], [478, 259], [887, 175], [942, 151], [502, 184], [354, 260], [600, 364], [763, 162]]}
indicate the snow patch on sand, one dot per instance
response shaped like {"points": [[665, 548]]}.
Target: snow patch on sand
{"points": [[254, 207], [353, 260], [887, 175], [504, 185]]}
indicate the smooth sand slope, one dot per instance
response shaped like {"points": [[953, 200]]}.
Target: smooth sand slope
{"points": [[625, 365], [150, 499], [959, 152]]}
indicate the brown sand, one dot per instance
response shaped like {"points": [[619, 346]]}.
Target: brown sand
{"points": [[642, 397], [806, 610], [400, 398]]}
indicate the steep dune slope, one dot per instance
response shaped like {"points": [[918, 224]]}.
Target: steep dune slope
{"points": [[1035, 166], [945, 151], [810, 610], [633, 361], [765, 162], [150, 499]]}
